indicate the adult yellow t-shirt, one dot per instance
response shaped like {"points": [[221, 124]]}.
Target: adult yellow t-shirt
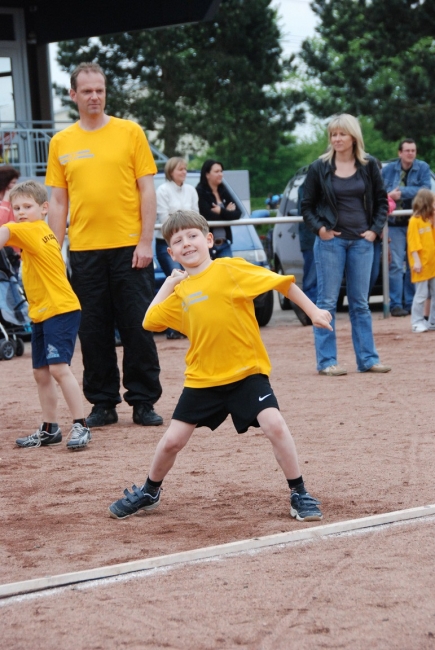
{"points": [[100, 169], [215, 310], [44, 273]]}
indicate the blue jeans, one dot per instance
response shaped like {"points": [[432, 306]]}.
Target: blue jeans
{"points": [[376, 266], [309, 281], [401, 288], [165, 260], [223, 250], [355, 258]]}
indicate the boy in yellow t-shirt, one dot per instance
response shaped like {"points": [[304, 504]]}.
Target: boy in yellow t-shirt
{"points": [[55, 312], [211, 302], [421, 254]]}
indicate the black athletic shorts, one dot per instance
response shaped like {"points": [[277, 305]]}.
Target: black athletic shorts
{"points": [[243, 400]]}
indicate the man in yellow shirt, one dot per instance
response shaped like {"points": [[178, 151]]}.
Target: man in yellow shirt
{"points": [[212, 303], [103, 168], [55, 313]]}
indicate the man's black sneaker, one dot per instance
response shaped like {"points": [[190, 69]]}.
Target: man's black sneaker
{"points": [[40, 439], [100, 416], [399, 311], [133, 502], [304, 507], [145, 416]]}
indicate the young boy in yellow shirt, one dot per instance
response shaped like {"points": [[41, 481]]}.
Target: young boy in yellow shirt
{"points": [[211, 302], [55, 313]]}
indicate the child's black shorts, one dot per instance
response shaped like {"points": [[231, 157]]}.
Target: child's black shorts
{"points": [[243, 400]]}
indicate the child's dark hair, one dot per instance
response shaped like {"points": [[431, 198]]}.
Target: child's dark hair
{"points": [[33, 189], [7, 174], [422, 204], [182, 220]]}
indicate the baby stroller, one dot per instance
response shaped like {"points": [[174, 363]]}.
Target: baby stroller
{"points": [[14, 318]]}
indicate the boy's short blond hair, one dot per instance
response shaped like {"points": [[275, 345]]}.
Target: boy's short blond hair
{"points": [[33, 189], [182, 220]]}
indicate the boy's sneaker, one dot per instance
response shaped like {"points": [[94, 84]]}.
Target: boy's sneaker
{"points": [[304, 507], [79, 437], [133, 502], [100, 416], [40, 439]]}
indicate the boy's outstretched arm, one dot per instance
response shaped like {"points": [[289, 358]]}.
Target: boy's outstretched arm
{"points": [[319, 317], [168, 286], [4, 236]]}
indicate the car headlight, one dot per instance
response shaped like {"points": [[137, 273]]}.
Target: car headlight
{"points": [[256, 256]]}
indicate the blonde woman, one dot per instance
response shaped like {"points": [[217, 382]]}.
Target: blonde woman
{"points": [[345, 205]]}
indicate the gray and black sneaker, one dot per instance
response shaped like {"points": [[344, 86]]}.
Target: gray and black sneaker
{"points": [[40, 439], [304, 507], [133, 502], [79, 437], [100, 416]]}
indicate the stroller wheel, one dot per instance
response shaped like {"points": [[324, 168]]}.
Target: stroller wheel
{"points": [[19, 347], [7, 350]]}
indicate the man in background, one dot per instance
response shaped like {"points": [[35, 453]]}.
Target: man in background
{"points": [[403, 178]]}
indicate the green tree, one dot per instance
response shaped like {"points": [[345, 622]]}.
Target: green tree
{"points": [[218, 81], [375, 58]]}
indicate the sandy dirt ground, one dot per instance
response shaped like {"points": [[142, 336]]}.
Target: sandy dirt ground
{"points": [[366, 445]]}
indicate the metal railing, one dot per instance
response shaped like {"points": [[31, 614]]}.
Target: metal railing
{"points": [[24, 145]]}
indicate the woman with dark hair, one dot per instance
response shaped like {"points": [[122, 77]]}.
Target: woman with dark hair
{"points": [[216, 204], [345, 205], [8, 178]]}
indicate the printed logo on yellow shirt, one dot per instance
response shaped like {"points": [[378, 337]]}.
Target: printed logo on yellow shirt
{"points": [[76, 155], [47, 238], [192, 299]]}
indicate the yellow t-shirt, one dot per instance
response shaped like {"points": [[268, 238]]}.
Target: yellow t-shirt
{"points": [[421, 240], [215, 310], [100, 169], [44, 273]]}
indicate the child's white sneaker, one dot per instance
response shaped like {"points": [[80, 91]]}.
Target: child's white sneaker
{"points": [[419, 328]]}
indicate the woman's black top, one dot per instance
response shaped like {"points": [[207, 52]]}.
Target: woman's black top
{"points": [[206, 200], [352, 217]]}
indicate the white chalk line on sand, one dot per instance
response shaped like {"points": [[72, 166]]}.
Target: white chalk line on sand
{"points": [[28, 588]]}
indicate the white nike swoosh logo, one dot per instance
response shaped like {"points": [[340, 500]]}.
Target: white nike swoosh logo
{"points": [[260, 399]]}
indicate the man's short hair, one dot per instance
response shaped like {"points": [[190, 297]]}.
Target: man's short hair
{"points": [[32, 189], [85, 67], [182, 220], [406, 141]]}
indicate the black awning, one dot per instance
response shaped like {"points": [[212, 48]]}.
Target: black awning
{"points": [[56, 20]]}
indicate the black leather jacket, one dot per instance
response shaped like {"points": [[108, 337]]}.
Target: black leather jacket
{"points": [[319, 203]]}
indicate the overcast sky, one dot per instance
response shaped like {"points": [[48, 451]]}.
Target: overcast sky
{"points": [[297, 22]]}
